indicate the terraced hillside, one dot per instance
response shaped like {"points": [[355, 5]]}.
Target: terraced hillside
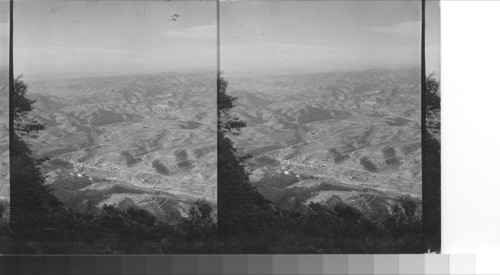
{"points": [[146, 140], [357, 131]]}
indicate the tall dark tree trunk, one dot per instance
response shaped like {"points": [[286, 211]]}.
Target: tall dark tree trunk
{"points": [[11, 69], [425, 182], [431, 182], [423, 84], [423, 78]]}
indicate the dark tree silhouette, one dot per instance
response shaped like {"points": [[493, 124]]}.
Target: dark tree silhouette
{"points": [[431, 166], [238, 202], [31, 200], [433, 107], [226, 122], [24, 125]]}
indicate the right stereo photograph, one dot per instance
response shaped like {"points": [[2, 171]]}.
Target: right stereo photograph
{"points": [[329, 127]]}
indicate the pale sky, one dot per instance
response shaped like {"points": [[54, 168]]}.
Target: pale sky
{"points": [[260, 36], [80, 38]]}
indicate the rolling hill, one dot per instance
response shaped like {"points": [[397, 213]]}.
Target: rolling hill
{"points": [[351, 138], [146, 140]]}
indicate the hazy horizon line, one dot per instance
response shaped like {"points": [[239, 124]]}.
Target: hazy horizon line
{"points": [[240, 73], [80, 75], [319, 71]]}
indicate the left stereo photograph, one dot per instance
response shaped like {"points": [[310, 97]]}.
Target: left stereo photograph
{"points": [[113, 148]]}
